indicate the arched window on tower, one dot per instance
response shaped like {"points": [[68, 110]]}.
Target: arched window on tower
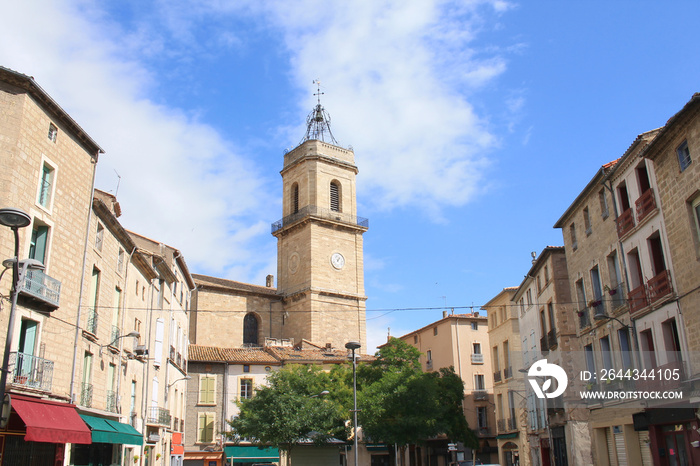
{"points": [[335, 196], [250, 330], [295, 198]]}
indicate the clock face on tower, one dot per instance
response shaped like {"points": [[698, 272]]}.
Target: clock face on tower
{"points": [[337, 260]]}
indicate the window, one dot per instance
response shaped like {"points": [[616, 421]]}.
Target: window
{"points": [[625, 350], [546, 274], [46, 185], [207, 389], [93, 300], [587, 221], [475, 325], [246, 368], [696, 216], [683, 155], [99, 237], [86, 388], [295, 198], [477, 348], [120, 260], [205, 427], [482, 417], [335, 196], [603, 198], [429, 356], [39, 243], [250, 330], [137, 327], [53, 132], [132, 402], [479, 382], [529, 297], [158, 346], [572, 232], [590, 358], [415, 339], [246, 389], [605, 350], [672, 342], [435, 331]]}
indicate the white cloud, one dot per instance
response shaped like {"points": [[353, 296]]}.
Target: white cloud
{"points": [[395, 74], [182, 182]]}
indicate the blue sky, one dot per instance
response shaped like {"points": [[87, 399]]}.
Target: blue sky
{"points": [[475, 124]]}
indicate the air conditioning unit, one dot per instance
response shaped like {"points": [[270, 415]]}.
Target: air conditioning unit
{"points": [[141, 350]]}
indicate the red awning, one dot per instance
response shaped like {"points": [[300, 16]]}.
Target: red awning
{"points": [[50, 421]]}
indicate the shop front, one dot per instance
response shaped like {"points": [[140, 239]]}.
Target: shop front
{"points": [[246, 455], [38, 431], [108, 436]]}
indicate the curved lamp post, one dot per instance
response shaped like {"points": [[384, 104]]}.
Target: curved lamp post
{"points": [[134, 334], [15, 219], [353, 345]]}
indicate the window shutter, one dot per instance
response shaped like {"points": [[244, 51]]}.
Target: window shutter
{"points": [[158, 347], [335, 197]]}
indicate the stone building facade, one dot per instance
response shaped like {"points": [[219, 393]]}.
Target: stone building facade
{"points": [[461, 341], [508, 384]]}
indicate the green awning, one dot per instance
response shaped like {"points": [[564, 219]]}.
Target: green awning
{"points": [[248, 454], [109, 431], [505, 436]]}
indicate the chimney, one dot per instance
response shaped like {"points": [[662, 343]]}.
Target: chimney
{"points": [[444, 314], [269, 281]]}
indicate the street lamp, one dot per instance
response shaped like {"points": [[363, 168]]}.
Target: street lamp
{"points": [[15, 219], [352, 346], [134, 334], [187, 377]]}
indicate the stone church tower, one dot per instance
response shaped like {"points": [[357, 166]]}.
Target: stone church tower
{"points": [[319, 241]]}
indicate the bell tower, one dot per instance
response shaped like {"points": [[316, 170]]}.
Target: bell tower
{"points": [[319, 241]]}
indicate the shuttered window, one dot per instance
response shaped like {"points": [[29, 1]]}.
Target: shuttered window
{"points": [[158, 347], [335, 196], [207, 389], [205, 428]]}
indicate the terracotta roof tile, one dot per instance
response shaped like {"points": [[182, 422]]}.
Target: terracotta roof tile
{"points": [[230, 355]]}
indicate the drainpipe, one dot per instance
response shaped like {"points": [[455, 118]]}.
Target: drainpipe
{"points": [[82, 283], [121, 342], [146, 369]]}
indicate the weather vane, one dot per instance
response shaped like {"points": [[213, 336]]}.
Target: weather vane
{"points": [[318, 123]]}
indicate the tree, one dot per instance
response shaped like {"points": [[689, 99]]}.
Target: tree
{"points": [[402, 405], [289, 410]]}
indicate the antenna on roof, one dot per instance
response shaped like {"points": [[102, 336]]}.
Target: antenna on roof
{"points": [[318, 123], [119, 180]]}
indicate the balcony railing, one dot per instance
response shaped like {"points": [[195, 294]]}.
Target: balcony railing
{"points": [[86, 395], [508, 372], [320, 212], [483, 431], [42, 287], [92, 321], [659, 286], [584, 319], [655, 289], [638, 299], [160, 416], [625, 223], [544, 344], [111, 401], [31, 371], [497, 376], [477, 358], [507, 425], [552, 339], [645, 204], [480, 395], [616, 297]]}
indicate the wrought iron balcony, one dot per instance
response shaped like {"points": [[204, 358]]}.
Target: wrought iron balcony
{"points": [[160, 416], [616, 297], [477, 358], [86, 395], [480, 395], [508, 372], [322, 213], [483, 432], [92, 321], [584, 318], [42, 287], [31, 371], [111, 401], [497, 376], [544, 344]]}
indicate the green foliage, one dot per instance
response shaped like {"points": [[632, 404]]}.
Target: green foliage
{"points": [[289, 410], [398, 403], [403, 405]]}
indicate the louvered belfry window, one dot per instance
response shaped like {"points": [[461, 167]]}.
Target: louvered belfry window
{"points": [[335, 197], [295, 198]]}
